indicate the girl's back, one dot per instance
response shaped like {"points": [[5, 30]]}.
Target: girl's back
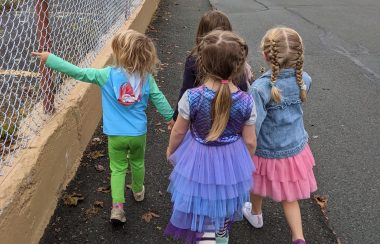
{"points": [[200, 105], [277, 119], [212, 144]]}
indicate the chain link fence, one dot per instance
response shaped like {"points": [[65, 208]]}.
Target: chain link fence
{"points": [[29, 93]]}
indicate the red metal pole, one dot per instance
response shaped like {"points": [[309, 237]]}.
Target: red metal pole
{"points": [[44, 44]]}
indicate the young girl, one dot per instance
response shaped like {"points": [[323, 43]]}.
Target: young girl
{"points": [[126, 89], [211, 20], [212, 144], [283, 159]]}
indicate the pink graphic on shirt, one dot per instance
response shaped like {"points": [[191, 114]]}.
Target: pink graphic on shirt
{"points": [[127, 96]]}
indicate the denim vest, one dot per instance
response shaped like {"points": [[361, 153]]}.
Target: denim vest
{"points": [[279, 126]]}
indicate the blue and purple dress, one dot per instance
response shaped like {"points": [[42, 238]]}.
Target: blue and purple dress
{"points": [[211, 180]]}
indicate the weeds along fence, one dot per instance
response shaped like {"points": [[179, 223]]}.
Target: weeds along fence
{"points": [[29, 93]]}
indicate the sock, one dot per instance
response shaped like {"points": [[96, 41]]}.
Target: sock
{"points": [[118, 205], [224, 231]]}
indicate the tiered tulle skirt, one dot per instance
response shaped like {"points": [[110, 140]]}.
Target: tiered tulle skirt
{"points": [[285, 179], [209, 184]]}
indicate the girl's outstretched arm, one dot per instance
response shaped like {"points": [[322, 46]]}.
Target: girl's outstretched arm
{"points": [[249, 136], [178, 133], [90, 75]]}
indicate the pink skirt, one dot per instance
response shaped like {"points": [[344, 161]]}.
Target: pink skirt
{"points": [[285, 179]]}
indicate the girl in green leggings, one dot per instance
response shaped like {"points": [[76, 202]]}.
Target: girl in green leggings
{"points": [[126, 89]]}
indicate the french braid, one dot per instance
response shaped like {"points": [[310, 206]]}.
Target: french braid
{"points": [[273, 51], [283, 48]]}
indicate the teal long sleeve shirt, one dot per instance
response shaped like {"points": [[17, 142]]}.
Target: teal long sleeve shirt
{"points": [[118, 119]]}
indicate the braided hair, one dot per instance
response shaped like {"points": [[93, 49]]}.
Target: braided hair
{"points": [[283, 48]]}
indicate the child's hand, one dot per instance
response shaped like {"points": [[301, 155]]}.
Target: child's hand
{"points": [[170, 124], [168, 153], [42, 56]]}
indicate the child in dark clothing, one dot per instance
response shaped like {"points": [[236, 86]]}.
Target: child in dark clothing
{"points": [[212, 20]]}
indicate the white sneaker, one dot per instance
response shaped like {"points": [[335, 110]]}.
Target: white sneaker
{"points": [[139, 196], [117, 215], [256, 220]]}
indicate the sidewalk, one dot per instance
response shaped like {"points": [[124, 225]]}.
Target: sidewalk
{"points": [[88, 222]]}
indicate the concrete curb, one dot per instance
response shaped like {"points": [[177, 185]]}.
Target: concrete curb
{"points": [[30, 189]]}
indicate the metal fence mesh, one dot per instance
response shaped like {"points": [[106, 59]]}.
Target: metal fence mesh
{"points": [[29, 94]]}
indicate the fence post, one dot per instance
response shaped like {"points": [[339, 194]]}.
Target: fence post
{"points": [[44, 44]]}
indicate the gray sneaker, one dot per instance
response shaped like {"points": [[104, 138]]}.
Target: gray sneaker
{"points": [[117, 215], [139, 196]]}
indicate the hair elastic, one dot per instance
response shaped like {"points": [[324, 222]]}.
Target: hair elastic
{"points": [[303, 87], [224, 82]]}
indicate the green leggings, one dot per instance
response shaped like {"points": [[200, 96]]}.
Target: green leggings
{"points": [[118, 149]]}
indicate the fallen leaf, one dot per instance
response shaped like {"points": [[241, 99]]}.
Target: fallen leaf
{"points": [[98, 204], [149, 215], [151, 27], [161, 130], [73, 199], [160, 193], [315, 137], [159, 228], [96, 154], [96, 139], [91, 212], [129, 187], [159, 123], [321, 201], [99, 167], [104, 189]]}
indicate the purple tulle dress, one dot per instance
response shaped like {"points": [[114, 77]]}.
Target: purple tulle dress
{"points": [[211, 180]]}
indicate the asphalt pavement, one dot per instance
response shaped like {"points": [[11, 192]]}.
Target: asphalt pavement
{"points": [[342, 117]]}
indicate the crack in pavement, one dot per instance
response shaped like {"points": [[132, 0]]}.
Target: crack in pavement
{"points": [[336, 44]]}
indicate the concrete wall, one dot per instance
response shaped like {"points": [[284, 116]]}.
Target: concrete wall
{"points": [[29, 190]]}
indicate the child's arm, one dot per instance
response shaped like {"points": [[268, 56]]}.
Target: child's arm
{"points": [[260, 104], [90, 75], [249, 136], [188, 81], [176, 136], [249, 131], [181, 125], [160, 101]]}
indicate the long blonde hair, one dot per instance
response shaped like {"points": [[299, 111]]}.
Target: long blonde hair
{"points": [[221, 55], [135, 52], [283, 48]]}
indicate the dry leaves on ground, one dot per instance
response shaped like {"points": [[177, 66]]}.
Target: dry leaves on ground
{"points": [[98, 204], [99, 167], [73, 199], [149, 215], [96, 154], [91, 212], [104, 189], [321, 201]]}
